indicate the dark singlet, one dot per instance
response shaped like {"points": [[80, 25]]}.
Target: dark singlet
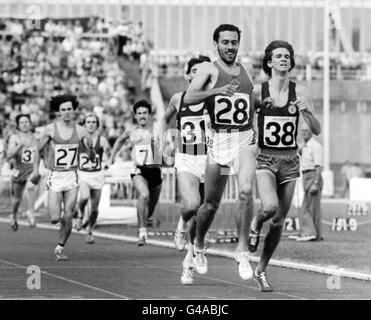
{"points": [[278, 127], [63, 154], [192, 125], [235, 112], [85, 164]]}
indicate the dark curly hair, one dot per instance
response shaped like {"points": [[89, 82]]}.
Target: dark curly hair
{"points": [[56, 101], [142, 103], [195, 61], [21, 115], [268, 54], [226, 27]]}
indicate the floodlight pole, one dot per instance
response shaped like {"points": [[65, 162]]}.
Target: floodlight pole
{"points": [[326, 86]]}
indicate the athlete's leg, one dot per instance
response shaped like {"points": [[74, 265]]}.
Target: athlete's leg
{"points": [[84, 194], [267, 189], [17, 194], [31, 199], [188, 186], [54, 205], [214, 188], [154, 195], [141, 186], [69, 199], [285, 193], [245, 177], [94, 205]]}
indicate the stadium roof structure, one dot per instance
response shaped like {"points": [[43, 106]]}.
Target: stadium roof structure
{"points": [[244, 3]]}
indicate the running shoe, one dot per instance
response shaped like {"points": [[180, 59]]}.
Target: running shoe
{"points": [[180, 239], [244, 268], [306, 238], [200, 260], [142, 238], [78, 223], [187, 275], [261, 279], [253, 240], [89, 239], [293, 236], [14, 225], [59, 254], [31, 219]]}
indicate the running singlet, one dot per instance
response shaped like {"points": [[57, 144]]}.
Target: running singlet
{"points": [[85, 164], [278, 127], [192, 123], [144, 152], [235, 112], [24, 157], [63, 154]]}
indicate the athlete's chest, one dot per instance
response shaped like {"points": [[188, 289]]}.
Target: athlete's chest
{"points": [[141, 136]]}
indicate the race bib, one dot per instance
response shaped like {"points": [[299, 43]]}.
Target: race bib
{"points": [[279, 132], [28, 155], [86, 164], [232, 110], [66, 156], [143, 155], [193, 129]]}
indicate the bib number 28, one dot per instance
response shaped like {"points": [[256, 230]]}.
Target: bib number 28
{"points": [[232, 110]]}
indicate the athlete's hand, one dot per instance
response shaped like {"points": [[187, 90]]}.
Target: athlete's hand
{"points": [[228, 90], [313, 188], [35, 178], [269, 102], [302, 104]]}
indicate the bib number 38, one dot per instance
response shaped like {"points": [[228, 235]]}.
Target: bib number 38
{"points": [[279, 132]]}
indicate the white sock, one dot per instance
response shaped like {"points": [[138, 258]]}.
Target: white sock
{"points": [[182, 225]]}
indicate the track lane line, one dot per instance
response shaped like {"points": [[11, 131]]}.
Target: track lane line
{"points": [[69, 280]]}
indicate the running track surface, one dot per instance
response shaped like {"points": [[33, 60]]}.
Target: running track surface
{"points": [[112, 269]]}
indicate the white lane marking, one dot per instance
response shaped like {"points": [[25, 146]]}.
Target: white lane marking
{"points": [[69, 280]]}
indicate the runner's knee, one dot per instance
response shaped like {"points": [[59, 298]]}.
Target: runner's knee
{"points": [[191, 206], [212, 206], [245, 192], [276, 224], [144, 196], [55, 220]]}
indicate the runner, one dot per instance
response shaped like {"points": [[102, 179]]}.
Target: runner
{"points": [[278, 160], [190, 163], [226, 87], [21, 151], [91, 175], [146, 173], [62, 138]]}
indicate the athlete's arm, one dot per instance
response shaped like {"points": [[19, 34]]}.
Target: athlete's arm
{"points": [[106, 149], [305, 106], [47, 136], [117, 146], [87, 141], [171, 111], [13, 146], [197, 91], [172, 108]]}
